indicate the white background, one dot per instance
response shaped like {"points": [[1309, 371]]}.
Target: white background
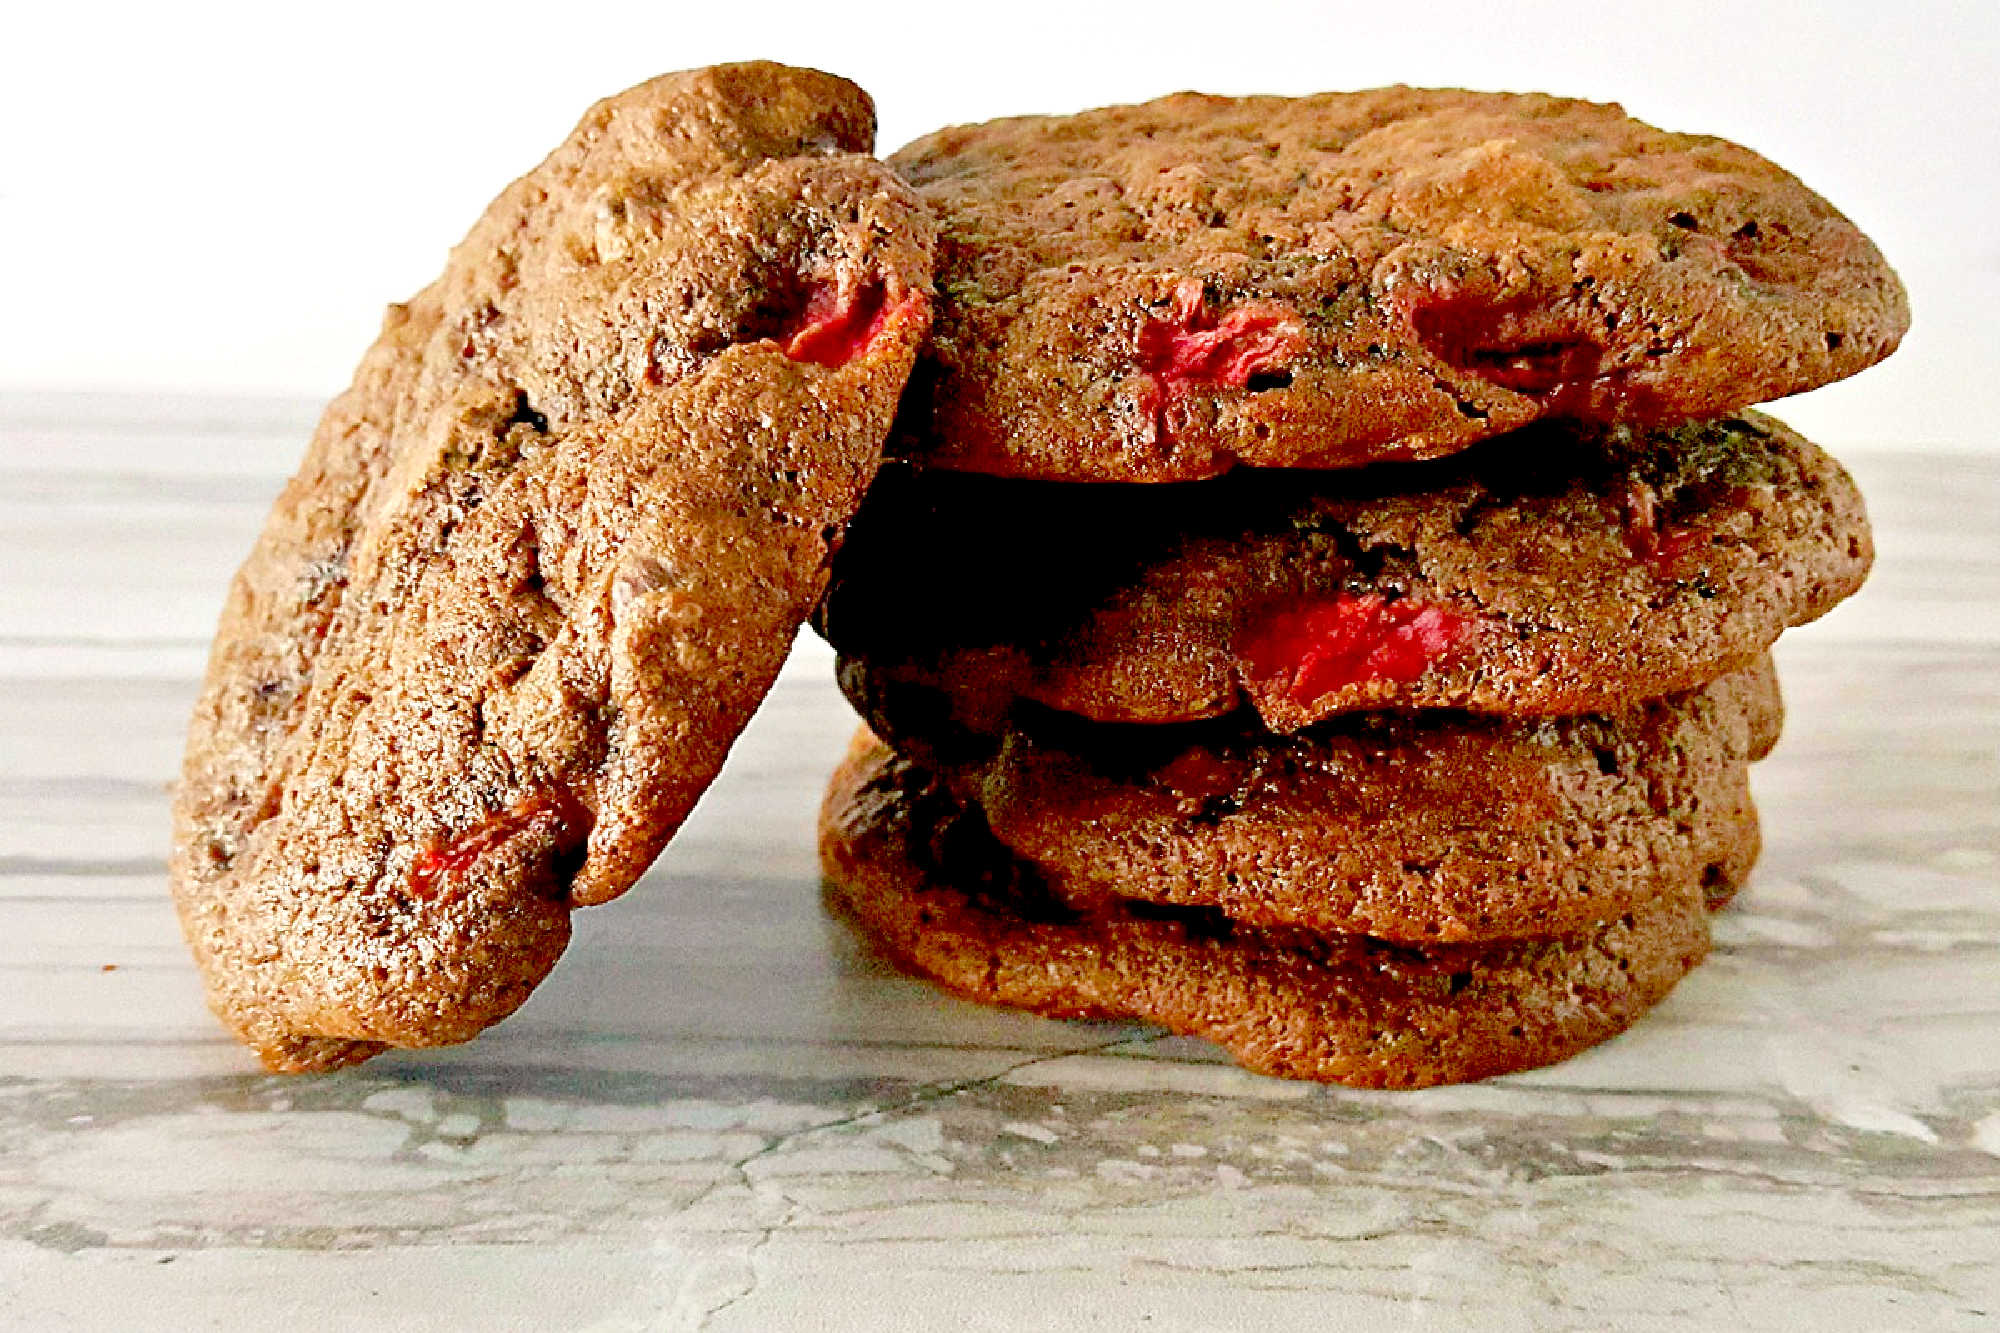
{"points": [[211, 197]]}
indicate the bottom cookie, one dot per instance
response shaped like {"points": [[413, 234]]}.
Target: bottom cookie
{"points": [[926, 880]]}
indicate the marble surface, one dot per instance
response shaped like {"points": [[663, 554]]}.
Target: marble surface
{"points": [[719, 1113]]}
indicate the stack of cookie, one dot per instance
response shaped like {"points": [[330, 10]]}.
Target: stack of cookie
{"points": [[1325, 603]]}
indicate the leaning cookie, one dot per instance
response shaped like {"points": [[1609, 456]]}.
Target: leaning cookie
{"points": [[929, 885], [542, 560], [1419, 828], [1162, 292], [1577, 574]]}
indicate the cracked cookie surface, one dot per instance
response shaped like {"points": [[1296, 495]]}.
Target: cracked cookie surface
{"points": [[928, 885], [1164, 291], [1578, 574], [542, 561]]}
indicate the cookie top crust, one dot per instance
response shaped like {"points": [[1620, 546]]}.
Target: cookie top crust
{"points": [[1574, 574], [930, 887], [543, 559], [1417, 827], [1164, 291]]}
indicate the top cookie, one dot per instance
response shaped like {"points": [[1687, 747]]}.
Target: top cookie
{"points": [[542, 560], [1161, 292]]}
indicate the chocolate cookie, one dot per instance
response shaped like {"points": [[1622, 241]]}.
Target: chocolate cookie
{"points": [[542, 560], [1413, 827], [933, 889], [1573, 575], [1161, 292]]}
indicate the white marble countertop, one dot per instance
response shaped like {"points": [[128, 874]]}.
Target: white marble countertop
{"points": [[720, 1114]]}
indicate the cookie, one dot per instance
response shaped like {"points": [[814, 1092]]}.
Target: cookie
{"points": [[1162, 292], [1420, 827], [542, 560], [933, 890], [1574, 575]]}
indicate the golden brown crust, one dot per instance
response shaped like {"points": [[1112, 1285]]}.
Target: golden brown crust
{"points": [[1161, 292], [542, 560], [931, 888], [1576, 576]]}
